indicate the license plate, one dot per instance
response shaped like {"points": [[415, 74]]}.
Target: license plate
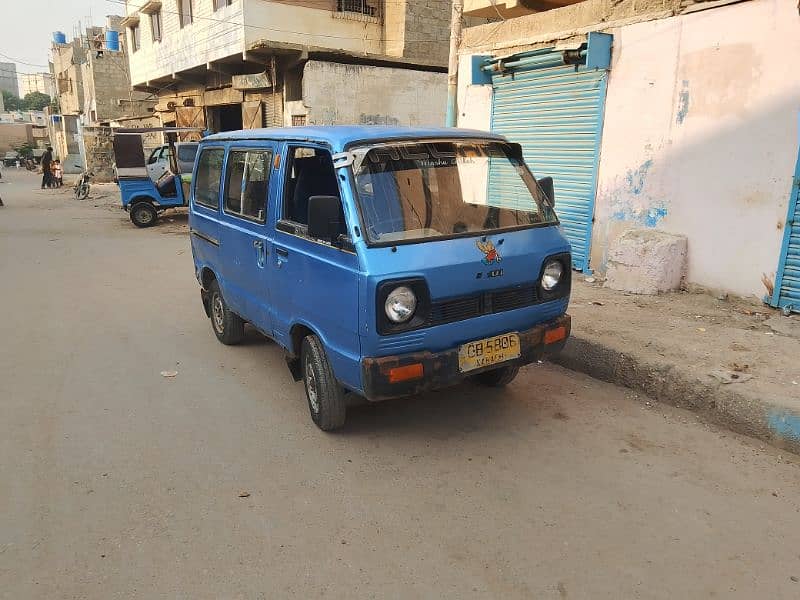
{"points": [[488, 352]]}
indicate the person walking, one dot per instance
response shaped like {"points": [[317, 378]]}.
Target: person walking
{"points": [[47, 164]]}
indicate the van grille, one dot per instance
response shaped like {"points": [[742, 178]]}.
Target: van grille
{"points": [[468, 307]]}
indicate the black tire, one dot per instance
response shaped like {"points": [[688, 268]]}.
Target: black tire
{"points": [[497, 378], [144, 214], [82, 192], [227, 325], [326, 401]]}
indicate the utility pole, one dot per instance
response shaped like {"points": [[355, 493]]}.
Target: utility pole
{"points": [[452, 72]]}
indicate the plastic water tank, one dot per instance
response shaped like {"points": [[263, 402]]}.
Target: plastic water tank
{"points": [[112, 40], [59, 37]]}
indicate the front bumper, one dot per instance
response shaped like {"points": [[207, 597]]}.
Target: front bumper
{"points": [[440, 369]]}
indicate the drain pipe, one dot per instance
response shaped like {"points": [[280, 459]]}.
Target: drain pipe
{"points": [[452, 72]]}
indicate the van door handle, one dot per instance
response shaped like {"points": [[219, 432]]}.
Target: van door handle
{"points": [[261, 255], [282, 252]]}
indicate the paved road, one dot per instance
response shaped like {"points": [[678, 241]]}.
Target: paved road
{"points": [[118, 483]]}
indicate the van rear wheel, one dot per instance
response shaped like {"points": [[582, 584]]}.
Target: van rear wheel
{"points": [[325, 396], [144, 214], [497, 377], [227, 325]]}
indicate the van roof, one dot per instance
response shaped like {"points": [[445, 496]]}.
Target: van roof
{"points": [[339, 137]]}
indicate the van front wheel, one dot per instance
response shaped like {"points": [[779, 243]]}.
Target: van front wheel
{"points": [[325, 396], [497, 378], [227, 325]]}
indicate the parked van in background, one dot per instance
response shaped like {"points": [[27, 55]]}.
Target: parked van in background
{"points": [[384, 261]]}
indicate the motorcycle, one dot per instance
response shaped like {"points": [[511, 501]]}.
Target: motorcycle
{"points": [[82, 186]]}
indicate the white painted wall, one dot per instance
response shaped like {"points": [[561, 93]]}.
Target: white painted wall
{"points": [[214, 35], [338, 94], [208, 38], [474, 101], [311, 27], [700, 138]]}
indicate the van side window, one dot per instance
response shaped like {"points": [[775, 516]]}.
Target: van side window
{"points": [[310, 173], [247, 184], [209, 175]]}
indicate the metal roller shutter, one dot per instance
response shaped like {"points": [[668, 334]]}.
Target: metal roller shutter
{"points": [[555, 111], [787, 283]]}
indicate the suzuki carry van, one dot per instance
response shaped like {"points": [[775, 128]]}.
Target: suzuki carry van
{"points": [[384, 261]]}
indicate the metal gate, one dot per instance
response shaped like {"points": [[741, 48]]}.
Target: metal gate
{"points": [[787, 280], [551, 102]]}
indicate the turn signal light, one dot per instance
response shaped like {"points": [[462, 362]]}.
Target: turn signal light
{"points": [[398, 374], [555, 335]]}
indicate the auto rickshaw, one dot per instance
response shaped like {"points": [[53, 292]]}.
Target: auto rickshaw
{"points": [[142, 198]]}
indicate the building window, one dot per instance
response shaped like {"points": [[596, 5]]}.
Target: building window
{"points": [[218, 4], [155, 24], [362, 7], [185, 12], [136, 38], [298, 120]]}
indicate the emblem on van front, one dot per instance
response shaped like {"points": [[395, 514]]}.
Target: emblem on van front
{"points": [[492, 255]]}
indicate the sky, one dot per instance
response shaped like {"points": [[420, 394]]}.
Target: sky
{"points": [[27, 26]]}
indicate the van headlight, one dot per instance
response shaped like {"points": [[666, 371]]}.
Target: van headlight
{"points": [[553, 272], [401, 303]]}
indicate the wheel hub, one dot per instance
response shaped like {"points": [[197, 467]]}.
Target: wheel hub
{"points": [[218, 313], [311, 386]]}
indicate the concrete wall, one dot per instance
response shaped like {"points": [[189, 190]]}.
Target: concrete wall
{"points": [[701, 139], [13, 135], [68, 76], [99, 148], [354, 94], [107, 88]]}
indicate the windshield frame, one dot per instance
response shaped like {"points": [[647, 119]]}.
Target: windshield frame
{"points": [[366, 147]]}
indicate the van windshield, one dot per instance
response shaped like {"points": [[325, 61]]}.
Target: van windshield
{"points": [[422, 191]]}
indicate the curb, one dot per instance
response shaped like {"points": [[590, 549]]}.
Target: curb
{"points": [[715, 402]]}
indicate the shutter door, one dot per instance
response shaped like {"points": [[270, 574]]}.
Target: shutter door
{"points": [[787, 283], [555, 112]]}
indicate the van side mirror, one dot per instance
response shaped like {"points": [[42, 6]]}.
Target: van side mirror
{"points": [[324, 220], [546, 183]]}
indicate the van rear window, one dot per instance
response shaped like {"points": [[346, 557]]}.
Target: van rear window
{"points": [[209, 174]]}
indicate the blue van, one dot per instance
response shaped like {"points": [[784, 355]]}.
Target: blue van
{"points": [[384, 261]]}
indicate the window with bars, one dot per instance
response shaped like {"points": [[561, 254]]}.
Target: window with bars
{"points": [[359, 9], [298, 120], [219, 4]]}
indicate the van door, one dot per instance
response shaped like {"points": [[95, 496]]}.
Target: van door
{"points": [[315, 282], [245, 197], [204, 215]]}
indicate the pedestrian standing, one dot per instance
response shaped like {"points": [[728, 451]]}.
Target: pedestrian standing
{"points": [[47, 164]]}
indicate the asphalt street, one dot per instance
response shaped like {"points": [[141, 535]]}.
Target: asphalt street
{"points": [[117, 482]]}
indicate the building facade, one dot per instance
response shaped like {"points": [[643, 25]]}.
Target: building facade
{"points": [[233, 64], [36, 82], [93, 87], [8, 78], [686, 127]]}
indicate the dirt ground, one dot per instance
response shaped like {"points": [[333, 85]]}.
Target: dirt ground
{"points": [[116, 482]]}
